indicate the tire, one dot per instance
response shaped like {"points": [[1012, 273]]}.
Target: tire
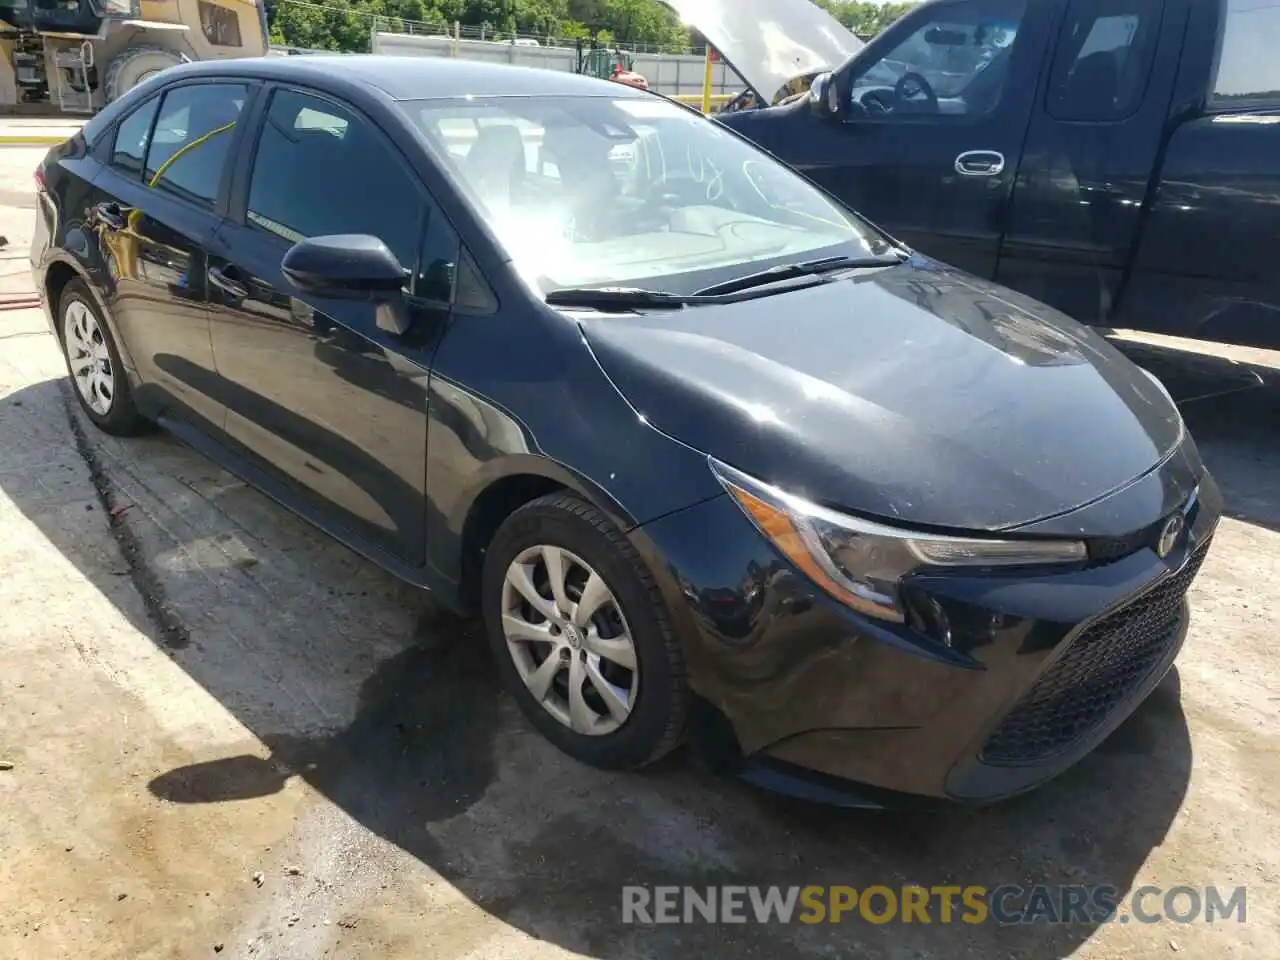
{"points": [[656, 691], [134, 65], [86, 339]]}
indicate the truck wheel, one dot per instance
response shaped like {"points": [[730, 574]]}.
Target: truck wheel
{"points": [[134, 65]]}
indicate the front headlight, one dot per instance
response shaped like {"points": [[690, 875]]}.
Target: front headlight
{"points": [[861, 563]]}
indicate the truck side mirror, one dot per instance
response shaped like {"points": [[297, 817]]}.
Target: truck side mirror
{"points": [[824, 96]]}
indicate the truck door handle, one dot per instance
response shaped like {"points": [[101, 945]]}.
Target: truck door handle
{"points": [[109, 215], [232, 288], [980, 163]]}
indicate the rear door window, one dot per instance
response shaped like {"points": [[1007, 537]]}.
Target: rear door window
{"points": [[192, 138], [1248, 66], [1105, 54]]}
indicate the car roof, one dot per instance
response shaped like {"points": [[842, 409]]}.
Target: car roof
{"points": [[411, 78]]}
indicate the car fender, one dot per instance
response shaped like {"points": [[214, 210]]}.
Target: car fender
{"points": [[84, 273], [539, 465]]}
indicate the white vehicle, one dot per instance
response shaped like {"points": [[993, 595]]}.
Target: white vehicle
{"points": [[776, 46]]}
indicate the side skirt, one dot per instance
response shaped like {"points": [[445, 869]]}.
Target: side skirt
{"points": [[421, 577]]}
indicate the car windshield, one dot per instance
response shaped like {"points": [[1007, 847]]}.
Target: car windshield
{"points": [[593, 191]]}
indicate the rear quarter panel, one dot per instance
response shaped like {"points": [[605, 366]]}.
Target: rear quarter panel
{"points": [[64, 239]]}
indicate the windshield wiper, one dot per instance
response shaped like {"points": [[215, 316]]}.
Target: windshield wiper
{"points": [[807, 268], [615, 298], [636, 298]]}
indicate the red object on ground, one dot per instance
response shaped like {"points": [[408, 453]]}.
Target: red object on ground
{"points": [[21, 301]]}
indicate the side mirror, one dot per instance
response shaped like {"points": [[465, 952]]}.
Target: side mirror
{"points": [[351, 267], [824, 96]]}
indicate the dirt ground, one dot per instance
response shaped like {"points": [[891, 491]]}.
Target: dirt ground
{"points": [[230, 737]]}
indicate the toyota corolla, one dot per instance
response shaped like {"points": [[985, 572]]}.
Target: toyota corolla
{"points": [[713, 457]]}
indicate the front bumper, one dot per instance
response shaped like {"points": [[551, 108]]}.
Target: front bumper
{"points": [[1038, 669]]}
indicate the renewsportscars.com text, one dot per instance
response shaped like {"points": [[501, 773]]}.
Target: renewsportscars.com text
{"points": [[973, 904]]}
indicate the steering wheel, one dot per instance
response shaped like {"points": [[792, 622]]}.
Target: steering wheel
{"points": [[905, 94], [874, 103]]}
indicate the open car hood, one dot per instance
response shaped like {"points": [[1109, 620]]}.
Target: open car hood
{"points": [[770, 42]]}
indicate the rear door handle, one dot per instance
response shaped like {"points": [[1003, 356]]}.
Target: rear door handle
{"points": [[232, 288], [110, 215], [980, 163]]}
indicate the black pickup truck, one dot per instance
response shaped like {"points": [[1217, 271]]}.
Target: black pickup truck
{"points": [[1117, 159]]}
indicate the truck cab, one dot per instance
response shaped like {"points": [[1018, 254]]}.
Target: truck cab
{"points": [[70, 16], [1117, 159]]}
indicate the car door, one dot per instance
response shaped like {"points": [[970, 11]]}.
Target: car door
{"points": [[154, 210], [329, 408], [930, 130], [1091, 152], [1205, 265]]}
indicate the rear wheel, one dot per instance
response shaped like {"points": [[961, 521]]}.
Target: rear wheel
{"points": [[101, 385], [581, 637]]}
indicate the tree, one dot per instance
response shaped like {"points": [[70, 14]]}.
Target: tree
{"points": [[546, 17], [345, 24], [863, 18]]}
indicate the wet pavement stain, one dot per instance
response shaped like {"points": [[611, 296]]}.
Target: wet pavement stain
{"points": [[169, 628], [419, 750]]}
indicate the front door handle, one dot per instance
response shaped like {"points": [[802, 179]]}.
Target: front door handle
{"points": [[110, 215], [232, 288], [980, 163]]}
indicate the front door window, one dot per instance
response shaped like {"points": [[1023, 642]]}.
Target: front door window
{"points": [[955, 63]]}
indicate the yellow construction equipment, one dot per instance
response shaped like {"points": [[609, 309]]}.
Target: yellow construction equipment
{"points": [[76, 56]]}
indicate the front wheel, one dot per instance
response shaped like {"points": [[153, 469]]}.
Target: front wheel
{"points": [[581, 636]]}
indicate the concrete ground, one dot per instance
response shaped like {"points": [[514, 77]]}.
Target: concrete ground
{"points": [[221, 734]]}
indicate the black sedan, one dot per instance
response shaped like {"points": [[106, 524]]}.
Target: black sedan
{"points": [[712, 456]]}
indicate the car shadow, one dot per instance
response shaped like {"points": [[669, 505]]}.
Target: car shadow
{"points": [[435, 759]]}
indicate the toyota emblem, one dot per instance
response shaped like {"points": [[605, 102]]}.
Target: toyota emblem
{"points": [[1169, 535]]}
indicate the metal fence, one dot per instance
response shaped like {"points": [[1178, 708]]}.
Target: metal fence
{"points": [[485, 32], [672, 74]]}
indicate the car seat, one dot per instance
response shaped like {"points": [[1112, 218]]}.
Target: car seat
{"points": [[495, 165]]}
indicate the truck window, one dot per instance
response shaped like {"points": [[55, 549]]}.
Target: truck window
{"points": [[221, 25], [1248, 68], [955, 64], [1104, 59]]}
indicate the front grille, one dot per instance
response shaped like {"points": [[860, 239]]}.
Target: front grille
{"points": [[1094, 675]]}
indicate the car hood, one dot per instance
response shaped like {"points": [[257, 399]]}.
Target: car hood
{"points": [[916, 394], [770, 42]]}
